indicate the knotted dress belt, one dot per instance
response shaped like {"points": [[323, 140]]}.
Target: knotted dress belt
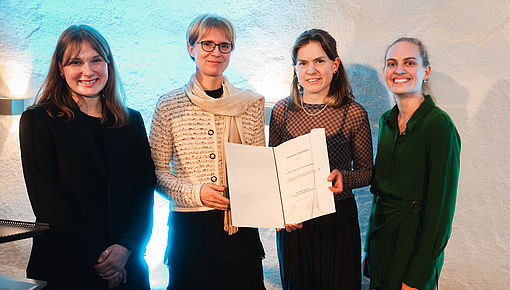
{"points": [[412, 205]]}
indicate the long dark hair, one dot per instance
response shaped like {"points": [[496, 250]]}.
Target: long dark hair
{"points": [[55, 90], [339, 89]]}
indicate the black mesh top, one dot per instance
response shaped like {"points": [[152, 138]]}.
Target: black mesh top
{"points": [[348, 137]]}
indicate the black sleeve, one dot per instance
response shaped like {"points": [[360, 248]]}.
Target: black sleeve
{"points": [[276, 123], [140, 219]]}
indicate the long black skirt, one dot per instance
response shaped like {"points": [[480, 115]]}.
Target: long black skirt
{"points": [[325, 253], [201, 255]]}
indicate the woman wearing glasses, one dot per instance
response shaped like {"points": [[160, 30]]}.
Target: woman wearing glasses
{"points": [[190, 126]]}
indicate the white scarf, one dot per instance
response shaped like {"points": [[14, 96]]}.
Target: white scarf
{"points": [[232, 105]]}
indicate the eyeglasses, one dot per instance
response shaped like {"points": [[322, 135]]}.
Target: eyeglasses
{"points": [[209, 46]]}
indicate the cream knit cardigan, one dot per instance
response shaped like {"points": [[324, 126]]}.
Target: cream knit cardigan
{"points": [[186, 144]]}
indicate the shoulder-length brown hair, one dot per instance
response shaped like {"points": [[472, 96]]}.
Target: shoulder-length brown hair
{"points": [[55, 91], [339, 89]]}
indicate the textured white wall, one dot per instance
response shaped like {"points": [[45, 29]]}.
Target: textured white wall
{"points": [[468, 44], [14, 202]]}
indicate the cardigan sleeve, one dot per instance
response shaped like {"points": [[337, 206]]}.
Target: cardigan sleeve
{"points": [[259, 128], [50, 201], [440, 197], [141, 214], [180, 192]]}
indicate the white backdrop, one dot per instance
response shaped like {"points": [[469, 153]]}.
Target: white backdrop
{"points": [[468, 43]]}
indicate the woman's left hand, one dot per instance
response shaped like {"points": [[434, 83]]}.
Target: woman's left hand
{"points": [[112, 261], [338, 186], [115, 282], [292, 227], [405, 287]]}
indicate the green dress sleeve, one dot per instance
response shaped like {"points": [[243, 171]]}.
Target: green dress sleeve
{"points": [[443, 162]]}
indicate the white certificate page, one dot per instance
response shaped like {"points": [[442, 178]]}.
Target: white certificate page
{"points": [[271, 187], [253, 186], [303, 169]]}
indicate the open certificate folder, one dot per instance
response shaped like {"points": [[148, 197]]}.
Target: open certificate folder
{"points": [[273, 186]]}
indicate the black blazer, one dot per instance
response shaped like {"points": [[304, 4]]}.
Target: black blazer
{"points": [[92, 197]]}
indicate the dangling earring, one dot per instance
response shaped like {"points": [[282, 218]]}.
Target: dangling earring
{"points": [[62, 75], [298, 85]]}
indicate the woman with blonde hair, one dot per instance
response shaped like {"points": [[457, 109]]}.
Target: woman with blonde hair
{"points": [[189, 129], [415, 178]]}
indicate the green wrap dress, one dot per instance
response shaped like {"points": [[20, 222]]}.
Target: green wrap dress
{"points": [[415, 186]]}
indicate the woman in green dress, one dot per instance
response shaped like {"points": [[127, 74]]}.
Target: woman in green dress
{"points": [[414, 181]]}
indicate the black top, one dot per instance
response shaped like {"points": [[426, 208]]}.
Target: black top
{"points": [[91, 134], [348, 136], [215, 93]]}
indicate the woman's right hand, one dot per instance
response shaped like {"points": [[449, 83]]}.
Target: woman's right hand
{"points": [[210, 195], [292, 227]]}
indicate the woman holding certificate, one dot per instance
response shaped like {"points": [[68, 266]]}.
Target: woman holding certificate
{"points": [[324, 253], [415, 178], [189, 129]]}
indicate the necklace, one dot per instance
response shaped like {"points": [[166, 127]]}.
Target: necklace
{"points": [[310, 114]]}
